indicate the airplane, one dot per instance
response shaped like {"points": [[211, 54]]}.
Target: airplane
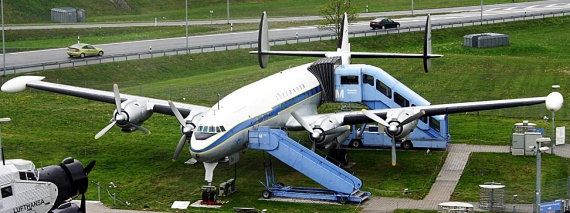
{"points": [[288, 99]]}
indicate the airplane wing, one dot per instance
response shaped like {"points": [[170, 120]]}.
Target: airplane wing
{"points": [[440, 109], [358, 117], [156, 105]]}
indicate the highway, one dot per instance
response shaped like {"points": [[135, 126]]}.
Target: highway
{"points": [[444, 15]]}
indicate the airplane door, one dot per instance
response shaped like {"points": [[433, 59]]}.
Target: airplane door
{"points": [[348, 84]]}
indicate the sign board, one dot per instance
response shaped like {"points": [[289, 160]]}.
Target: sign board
{"points": [[551, 206], [560, 135]]}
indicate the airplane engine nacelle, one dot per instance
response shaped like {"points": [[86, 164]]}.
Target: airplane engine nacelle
{"points": [[327, 130], [395, 119], [136, 112]]}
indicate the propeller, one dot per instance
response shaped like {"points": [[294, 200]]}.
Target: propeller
{"points": [[187, 130], [317, 132], [83, 189], [394, 125], [120, 116]]}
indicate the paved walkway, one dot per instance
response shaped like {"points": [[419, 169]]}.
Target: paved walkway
{"points": [[440, 192], [446, 181]]}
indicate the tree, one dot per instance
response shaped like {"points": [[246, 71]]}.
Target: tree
{"points": [[332, 12]]}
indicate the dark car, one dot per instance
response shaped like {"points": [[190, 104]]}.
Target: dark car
{"points": [[383, 23]]}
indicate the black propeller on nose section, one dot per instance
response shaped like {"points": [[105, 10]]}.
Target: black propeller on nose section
{"points": [[120, 116], [394, 125], [187, 130]]}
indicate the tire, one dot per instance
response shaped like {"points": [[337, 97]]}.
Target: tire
{"points": [[342, 200], [82, 55], [382, 27], [266, 194], [100, 53], [355, 143], [373, 28], [407, 145]]}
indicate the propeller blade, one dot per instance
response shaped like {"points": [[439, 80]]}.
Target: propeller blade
{"points": [[302, 122], [89, 167], [393, 151], [146, 131], [179, 147], [413, 117], [82, 207], [375, 117], [337, 130], [104, 130], [177, 114], [117, 97]]}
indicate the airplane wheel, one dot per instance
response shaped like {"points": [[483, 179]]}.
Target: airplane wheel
{"points": [[266, 194], [212, 196], [407, 145], [342, 200], [205, 196], [355, 143]]}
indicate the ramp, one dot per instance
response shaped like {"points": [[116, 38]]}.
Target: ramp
{"points": [[278, 144]]}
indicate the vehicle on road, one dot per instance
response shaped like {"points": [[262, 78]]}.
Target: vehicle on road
{"points": [[83, 50], [383, 23]]}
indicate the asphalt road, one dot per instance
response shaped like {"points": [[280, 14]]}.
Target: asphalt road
{"points": [[472, 13]]}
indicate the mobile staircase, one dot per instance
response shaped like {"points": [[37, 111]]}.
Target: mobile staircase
{"points": [[340, 185], [372, 86]]}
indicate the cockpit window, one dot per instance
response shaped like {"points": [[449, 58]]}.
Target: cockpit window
{"points": [[211, 129]]}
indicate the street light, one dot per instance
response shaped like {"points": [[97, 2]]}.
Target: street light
{"points": [[553, 136], [3, 45], [186, 26], [538, 149], [481, 12], [2, 120]]}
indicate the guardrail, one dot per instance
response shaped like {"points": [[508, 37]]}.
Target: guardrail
{"points": [[230, 46]]}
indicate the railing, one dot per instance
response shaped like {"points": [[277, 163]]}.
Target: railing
{"points": [[251, 44]]}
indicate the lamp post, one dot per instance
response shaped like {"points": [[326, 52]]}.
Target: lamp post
{"points": [[481, 12], [2, 120], [228, 11], [538, 149], [3, 45], [553, 136], [186, 26]]}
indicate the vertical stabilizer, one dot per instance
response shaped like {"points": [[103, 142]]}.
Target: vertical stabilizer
{"points": [[263, 41], [427, 45], [343, 44]]}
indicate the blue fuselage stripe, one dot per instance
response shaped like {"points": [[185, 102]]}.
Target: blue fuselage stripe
{"points": [[250, 122]]}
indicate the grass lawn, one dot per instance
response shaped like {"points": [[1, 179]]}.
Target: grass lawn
{"points": [[46, 128]]}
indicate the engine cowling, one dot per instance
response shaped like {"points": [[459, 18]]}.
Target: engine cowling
{"points": [[135, 112]]}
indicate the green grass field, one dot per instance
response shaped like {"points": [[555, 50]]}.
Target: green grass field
{"points": [[29, 11], [46, 128]]}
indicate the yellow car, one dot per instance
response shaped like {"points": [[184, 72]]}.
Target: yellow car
{"points": [[83, 50]]}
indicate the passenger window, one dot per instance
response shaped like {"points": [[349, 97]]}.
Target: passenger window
{"points": [[222, 128], [6, 191], [349, 79], [434, 124], [400, 100], [368, 79], [383, 88]]}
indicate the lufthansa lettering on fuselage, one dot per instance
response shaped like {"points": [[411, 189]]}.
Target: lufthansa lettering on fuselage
{"points": [[29, 206], [289, 92]]}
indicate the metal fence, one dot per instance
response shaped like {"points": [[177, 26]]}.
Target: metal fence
{"points": [[252, 44]]}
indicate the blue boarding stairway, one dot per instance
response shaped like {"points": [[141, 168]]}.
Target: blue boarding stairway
{"points": [[377, 89], [340, 185]]}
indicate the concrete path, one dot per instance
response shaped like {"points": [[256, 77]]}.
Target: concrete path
{"points": [[446, 181]]}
